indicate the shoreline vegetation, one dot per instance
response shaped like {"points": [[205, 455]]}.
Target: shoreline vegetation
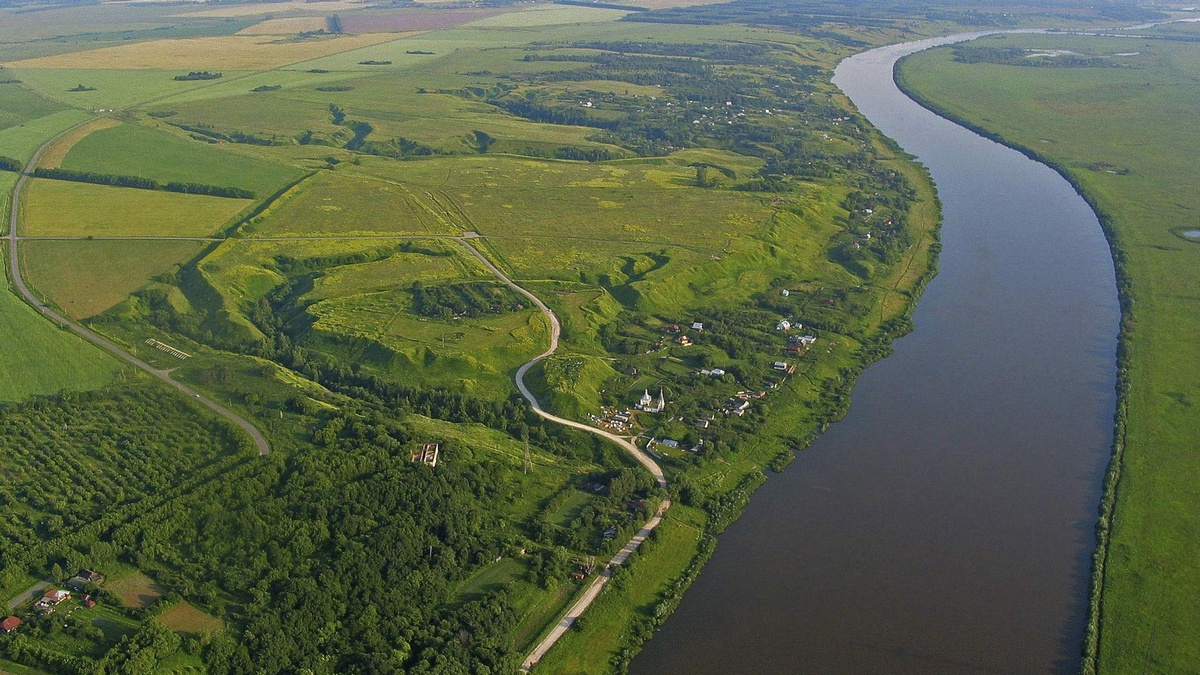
{"points": [[1128, 562]]}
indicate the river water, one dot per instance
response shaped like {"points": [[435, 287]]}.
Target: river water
{"points": [[946, 525]]}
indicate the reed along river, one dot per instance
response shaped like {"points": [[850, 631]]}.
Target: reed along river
{"points": [[946, 525]]}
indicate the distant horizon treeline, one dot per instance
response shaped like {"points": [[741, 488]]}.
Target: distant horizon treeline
{"points": [[143, 183]]}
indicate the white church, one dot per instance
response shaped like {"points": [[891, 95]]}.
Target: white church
{"points": [[649, 404]]}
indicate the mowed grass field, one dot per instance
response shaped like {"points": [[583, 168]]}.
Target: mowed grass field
{"points": [[85, 278], [132, 150], [136, 590], [68, 209], [1128, 135], [40, 358], [185, 618]]}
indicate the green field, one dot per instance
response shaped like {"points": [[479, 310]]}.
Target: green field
{"points": [[108, 88], [550, 15], [85, 278], [20, 142], [40, 358], [1127, 136], [19, 105], [343, 205], [54, 208], [131, 150]]}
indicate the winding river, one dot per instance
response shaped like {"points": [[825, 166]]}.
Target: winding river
{"points": [[946, 525]]}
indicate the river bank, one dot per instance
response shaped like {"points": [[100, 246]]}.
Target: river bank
{"points": [[970, 460]]}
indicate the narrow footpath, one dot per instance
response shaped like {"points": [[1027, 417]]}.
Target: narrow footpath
{"points": [[14, 269], [592, 591]]}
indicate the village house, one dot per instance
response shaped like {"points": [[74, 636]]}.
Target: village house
{"points": [[51, 600], [698, 327], [10, 624], [802, 340], [684, 340], [784, 324], [735, 406], [84, 577]]}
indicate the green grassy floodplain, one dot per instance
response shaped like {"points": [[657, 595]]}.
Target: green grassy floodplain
{"points": [[1126, 137]]}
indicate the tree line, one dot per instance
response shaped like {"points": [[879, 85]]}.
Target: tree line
{"points": [[141, 183]]}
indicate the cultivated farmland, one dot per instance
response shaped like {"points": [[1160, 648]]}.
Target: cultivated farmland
{"points": [[130, 150], [39, 358], [85, 278], [58, 208], [233, 52]]}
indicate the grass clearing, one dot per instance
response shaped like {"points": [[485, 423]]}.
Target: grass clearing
{"points": [[132, 150], [85, 278], [186, 618], [40, 358], [1127, 136], [55, 208], [472, 354], [136, 590]]}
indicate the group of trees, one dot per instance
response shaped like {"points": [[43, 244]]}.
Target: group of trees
{"points": [[443, 301]]}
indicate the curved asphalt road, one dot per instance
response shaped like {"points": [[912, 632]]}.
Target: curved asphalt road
{"points": [[592, 591], [164, 375]]}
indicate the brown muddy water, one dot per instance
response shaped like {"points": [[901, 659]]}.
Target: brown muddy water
{"points": [[946, 525]]}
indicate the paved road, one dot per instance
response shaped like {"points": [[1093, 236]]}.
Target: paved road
{"points": [[14, 268], [555, 331], [597, 584], [593, 590], [26, 594]]}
